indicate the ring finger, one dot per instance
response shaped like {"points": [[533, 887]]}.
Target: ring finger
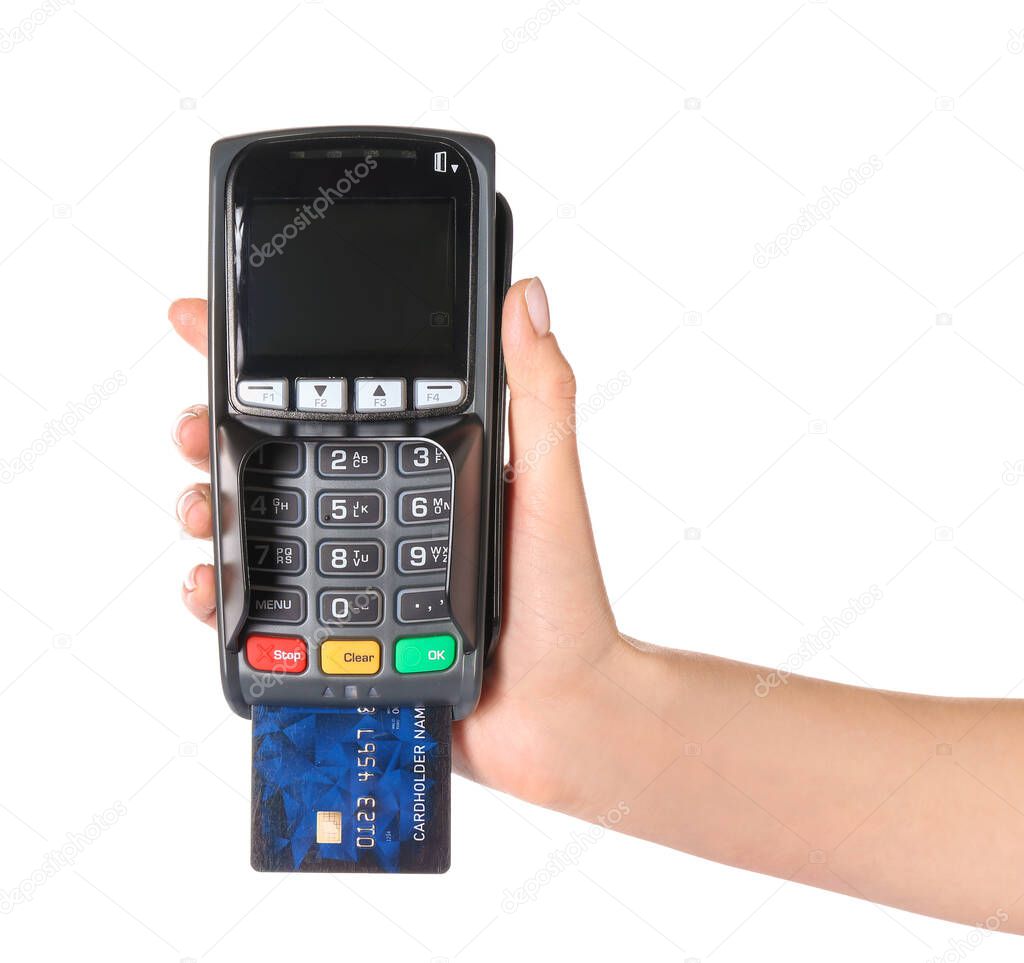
{"points": [[194, 511]]}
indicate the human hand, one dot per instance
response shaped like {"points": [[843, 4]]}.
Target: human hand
{"points": [[553, 675]]}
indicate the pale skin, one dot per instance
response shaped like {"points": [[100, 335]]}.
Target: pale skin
{"points": [[912, 801]]}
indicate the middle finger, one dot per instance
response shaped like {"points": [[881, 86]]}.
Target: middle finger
{"points": [[191, 433]]}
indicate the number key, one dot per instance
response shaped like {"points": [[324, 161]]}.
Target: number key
{"points": [[351, 558], [350, 508], [280, 505], [422, 555], [358, 607], [432, 505], [286, 556], [415, 457], [363, 461], [279, 457]]}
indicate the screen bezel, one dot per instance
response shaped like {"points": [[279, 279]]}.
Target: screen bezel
{"points": [[298, 167]]}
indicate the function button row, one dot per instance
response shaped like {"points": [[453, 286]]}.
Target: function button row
{"points": [[330, 395], [350, 508], [415, 654], [282, 506]]}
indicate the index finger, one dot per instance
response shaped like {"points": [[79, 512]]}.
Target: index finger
{"points": [[188, 315]]}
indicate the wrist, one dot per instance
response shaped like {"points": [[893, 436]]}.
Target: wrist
{"points": [[622, 727]]}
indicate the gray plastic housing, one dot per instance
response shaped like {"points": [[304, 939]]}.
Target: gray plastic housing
{"points": [[472, 436]]}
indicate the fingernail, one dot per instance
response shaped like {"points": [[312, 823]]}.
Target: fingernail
{"points": [[190, 579], [188, 500], [537, 305], [176, 430]]}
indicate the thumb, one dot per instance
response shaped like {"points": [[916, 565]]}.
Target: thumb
{"points": [[542, 389], [552, 545], [553, 578]]}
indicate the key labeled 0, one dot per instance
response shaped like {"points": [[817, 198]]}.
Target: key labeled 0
{"points": [[350, 607]]}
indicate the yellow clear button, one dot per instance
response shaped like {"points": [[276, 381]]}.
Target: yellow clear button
{"points": [[350, 656]]}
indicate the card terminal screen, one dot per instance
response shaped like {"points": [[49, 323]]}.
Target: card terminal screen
{"points": [[361, 280]]}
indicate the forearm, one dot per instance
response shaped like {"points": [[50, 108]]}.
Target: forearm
{"points": [[907, 800]]}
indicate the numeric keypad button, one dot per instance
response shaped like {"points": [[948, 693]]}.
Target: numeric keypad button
{"points": [[350, 508], [418, 457], [430, 505], [417, 555], [282, 506], [276, 457], [284, 556], [357, 607], [350, 558], [350, 460], [423, 605], [283, 605]]}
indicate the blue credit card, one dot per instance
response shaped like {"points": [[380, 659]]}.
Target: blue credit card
{"points": [[351, 789]]}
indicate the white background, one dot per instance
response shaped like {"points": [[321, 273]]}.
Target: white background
{"points": [[846, 416]]}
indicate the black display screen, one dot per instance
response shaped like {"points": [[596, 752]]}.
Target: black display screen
{"points": [[367, 286]]}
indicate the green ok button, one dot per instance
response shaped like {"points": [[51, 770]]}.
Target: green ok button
{"points": [[425, 653]]}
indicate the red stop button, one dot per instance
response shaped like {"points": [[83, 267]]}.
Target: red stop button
{"points": [[276, 653]]}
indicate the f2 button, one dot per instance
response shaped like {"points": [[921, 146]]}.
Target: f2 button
{"points": [[276, 653]]}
